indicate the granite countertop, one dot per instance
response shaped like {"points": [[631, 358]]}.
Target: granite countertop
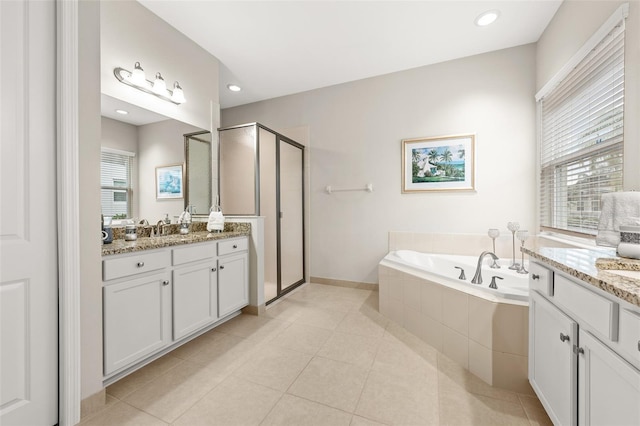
{"points": [[120, 246], [594, 267]]}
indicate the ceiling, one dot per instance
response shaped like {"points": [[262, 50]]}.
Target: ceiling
{"points": [[276, 48]]}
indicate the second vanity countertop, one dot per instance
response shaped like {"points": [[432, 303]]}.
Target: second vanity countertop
{"points": [[120, 246], [594, 266]]}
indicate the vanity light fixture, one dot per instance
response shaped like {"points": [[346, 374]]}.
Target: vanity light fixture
{"points": [[487, 18], [158, 87], [234, 87]]}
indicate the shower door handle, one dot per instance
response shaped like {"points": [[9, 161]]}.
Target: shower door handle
{"points": [[281, 215]]}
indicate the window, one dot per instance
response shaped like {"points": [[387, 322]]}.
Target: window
{"points": [[581, 135], [116, 169]]}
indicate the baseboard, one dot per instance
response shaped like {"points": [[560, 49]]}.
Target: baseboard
{"points": [[254, 310], [344, 283], [92, 404]]}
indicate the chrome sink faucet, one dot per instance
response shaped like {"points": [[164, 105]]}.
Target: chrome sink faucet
{"points": [[477, 278]]}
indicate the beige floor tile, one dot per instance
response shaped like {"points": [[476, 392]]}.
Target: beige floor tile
{"points": [[139, 378], [171, 394], [462, 408], [253, 327], [225, 354], [400, 335], [351, 348], [274, 367], [535, 411], [188, 349], [395, 399], [396, 357], [122, 414], [234, 402], [361, 421], [323, 318], [294, 411], [330, 382], [302, 338], [285, 309], [371, 324], [454, 378]]}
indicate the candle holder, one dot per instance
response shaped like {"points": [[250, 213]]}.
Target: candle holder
{"points": [[522, 236], [513, 227], [493, 234]]}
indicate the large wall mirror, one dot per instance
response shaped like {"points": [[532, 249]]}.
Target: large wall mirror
{"points": [[198, 178], [153, 142]]}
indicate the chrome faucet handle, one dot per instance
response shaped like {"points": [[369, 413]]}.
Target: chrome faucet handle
{"points": [[462, 276], [493, 282]]}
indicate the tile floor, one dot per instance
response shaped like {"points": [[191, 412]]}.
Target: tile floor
{"points": [[321, 356]]}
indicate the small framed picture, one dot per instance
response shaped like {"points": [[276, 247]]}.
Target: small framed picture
{"points": [[169, 182], [444, 163]]}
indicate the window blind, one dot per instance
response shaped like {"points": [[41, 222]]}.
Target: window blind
{"points": [[581, 138], [116, 169]]}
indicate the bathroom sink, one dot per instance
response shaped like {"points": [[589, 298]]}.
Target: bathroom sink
{"points": [[624, 273]]}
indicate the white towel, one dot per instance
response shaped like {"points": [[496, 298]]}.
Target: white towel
{"points": [[617, 208], [216, 222]]}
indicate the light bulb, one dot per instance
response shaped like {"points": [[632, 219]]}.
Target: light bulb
{"points": [[178, 94], [137, 76], [159, 86]]}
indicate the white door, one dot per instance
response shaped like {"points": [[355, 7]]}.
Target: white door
{"points": [[609, 387], [28, 245], [552, 364]]}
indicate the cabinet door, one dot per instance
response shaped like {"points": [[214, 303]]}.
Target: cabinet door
{"points": [[195, 301], [233, 283], [137, 319], [552, 363], [608, 386]]}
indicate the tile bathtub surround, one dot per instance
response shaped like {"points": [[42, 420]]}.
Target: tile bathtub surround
{"points": [[322, 355], [489, 339]]}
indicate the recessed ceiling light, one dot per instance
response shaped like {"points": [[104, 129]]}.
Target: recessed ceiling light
{"points": [[234, 87], [121, 111], [487, 18]]}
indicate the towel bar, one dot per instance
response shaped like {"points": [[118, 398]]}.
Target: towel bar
{"points": [[329, 189]]}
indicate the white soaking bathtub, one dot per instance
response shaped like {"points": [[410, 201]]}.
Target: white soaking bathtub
{"points": [[441, 268], [484, 330]]}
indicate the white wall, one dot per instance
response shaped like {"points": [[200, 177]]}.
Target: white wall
{"points": [[159, 144], [355, 133], [570, 28], [124, 137], [131, 33]]}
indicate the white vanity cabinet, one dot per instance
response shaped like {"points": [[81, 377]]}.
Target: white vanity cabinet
{"points": [[137, 319], [156, 300], [576, 366]]}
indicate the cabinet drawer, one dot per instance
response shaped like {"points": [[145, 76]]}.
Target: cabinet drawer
{"points": [[134, 264], [194, 252], [232, 246], [629, 336], [541, 279], [590, 308]]}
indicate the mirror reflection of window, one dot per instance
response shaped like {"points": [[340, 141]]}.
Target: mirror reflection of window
{"points": [[116, 170]]}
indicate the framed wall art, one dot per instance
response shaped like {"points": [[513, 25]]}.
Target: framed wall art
{"points": [[169, 182], [443, 163]]}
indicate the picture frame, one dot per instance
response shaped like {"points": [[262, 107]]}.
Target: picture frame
{"points": [[170, 182], [442, 163]]}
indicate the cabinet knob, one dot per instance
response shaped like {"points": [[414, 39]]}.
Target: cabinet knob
{"points": [[140, 264], [235, 246], [165, 282], [221, 266], [564, 337], [535, 276], [213, 269], [577, 350]]}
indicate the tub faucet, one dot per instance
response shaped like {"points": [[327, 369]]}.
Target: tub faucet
{"points": [[477, 278]]}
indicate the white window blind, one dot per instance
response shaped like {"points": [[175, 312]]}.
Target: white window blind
{"points": [[581, 130], [116, 169]]}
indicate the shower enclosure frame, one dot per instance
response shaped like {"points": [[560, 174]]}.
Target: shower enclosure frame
{"points": [[280, 292]]}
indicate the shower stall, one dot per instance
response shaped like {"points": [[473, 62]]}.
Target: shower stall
{"points": [[261, 173]]}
